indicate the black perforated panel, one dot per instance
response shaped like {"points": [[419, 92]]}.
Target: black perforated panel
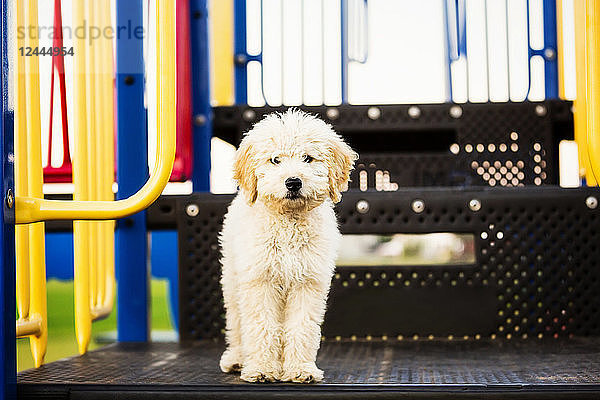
{"points": [[493, 144], [536, 273]]}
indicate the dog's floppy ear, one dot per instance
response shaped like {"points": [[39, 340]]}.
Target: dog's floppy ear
{"points": [[243, 170], [341, 163]]}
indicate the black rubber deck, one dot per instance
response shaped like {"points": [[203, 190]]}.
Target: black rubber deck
{"points": [[407, 369]]}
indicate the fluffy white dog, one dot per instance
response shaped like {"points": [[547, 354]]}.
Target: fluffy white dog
{"points": [[279, 241]]}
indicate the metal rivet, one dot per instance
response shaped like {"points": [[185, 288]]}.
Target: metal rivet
{"points": [[333, 113], [241, 59], [591, 202], [456, 111], [374, 113], [475, 205], [249, 115], [418, 206], [540, 110], [199, 120], [10, 198], [192, 210], [362, 206], [414, 112], [129, 80], [549, 53]]}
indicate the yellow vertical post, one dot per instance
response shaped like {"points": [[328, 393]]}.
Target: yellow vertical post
{"points": [[92, 143], [580, 104], [593, 83], [222, 51], [34, 184], [108, 161], [560, 47], [105, 140], [83, 323], [98, 62], [165, 67], [21, 189]]}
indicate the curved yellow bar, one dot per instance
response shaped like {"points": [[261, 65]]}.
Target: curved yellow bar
{"points": [[28, 210], [580, 103], [31, 209], [593, 83]]}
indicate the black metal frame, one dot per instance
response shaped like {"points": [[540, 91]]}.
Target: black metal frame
{"points": [[536, 274], [437, 144]]}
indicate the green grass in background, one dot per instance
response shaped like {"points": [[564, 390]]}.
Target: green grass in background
{"points": [[61, 328]]}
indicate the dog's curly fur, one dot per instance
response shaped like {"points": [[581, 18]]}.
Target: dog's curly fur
{"points": [[279, 250]]}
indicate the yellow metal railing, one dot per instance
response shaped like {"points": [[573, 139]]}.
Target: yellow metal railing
{"points": [[580, 117], [31, 268], [93, 170], [93, 173], [31, 209]]}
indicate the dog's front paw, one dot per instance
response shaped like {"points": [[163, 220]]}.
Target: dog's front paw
{"points": [[306, 373], [231, 361], [254, 373]]}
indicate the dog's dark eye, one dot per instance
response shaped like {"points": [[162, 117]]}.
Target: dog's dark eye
{"points": [[275, 160], [307, 158]]}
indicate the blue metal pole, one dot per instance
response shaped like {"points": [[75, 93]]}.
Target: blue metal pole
{"points": [[132, 172], [241, 53], [202, 111], [451, 51], [344, 44], [550, 49], [8, 365]]}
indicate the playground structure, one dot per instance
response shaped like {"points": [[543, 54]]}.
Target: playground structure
{"points": [[522, 320]]}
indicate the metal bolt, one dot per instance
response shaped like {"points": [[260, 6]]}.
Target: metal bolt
{"points": [[362, 206], [418, 206], [414, 112], [10, 199], [456, 111], [249, 115], [374, 113], [199, 120], [192, 210], [333, 113], [549, 53], [475, 205], [591, 202], [241, 59], [540, 110]]}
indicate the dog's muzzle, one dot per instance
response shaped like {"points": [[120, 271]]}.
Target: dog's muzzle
{"points": [[293, 186]]}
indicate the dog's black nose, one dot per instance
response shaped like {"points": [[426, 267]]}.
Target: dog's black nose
{"points": [[293, 184]]}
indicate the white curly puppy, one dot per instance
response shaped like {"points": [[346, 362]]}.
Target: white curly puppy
{"points": [[279, 242]]}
